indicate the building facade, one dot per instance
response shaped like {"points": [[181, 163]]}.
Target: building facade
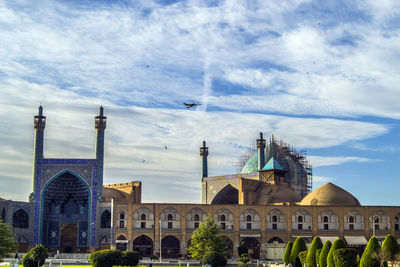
{"points": [[266, 205]]}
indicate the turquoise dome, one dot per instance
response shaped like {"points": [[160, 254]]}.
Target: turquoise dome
{"points": [[251, 164]]}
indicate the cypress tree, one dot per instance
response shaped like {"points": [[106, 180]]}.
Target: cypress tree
{"points": [[298, 246], [368, 259], [317, 254], [345, 257], [390, 247], [286, 255], [315, 244], [302, 257], [338, 243], [324, 254]]}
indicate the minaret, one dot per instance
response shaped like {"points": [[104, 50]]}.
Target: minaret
{"points": [[261, 152], [100, 125], [204, 154]]}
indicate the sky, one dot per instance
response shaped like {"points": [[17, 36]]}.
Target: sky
{"points": [[320, 75]]}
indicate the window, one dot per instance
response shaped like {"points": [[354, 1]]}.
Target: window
{"points": [[222, 225], [170, 217], [326, 226], [169, 225], [300, 226], [248, 226], [351, 226], [248, 218], [122, 216], [105, 221], [121, 224], [143, 225], [351, 219], [196, 225], [376, 219], [143, 217], [274, 226], [377, 227], [300, 219], [3, 215], [20, 219], [223, 218], [274, 218], [326, 219], [197, 217]]}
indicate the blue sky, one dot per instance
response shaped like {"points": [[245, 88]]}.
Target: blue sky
{"points": [[321, 75]]}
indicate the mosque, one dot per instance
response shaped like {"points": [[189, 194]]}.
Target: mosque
{"points": [[266, 205]]}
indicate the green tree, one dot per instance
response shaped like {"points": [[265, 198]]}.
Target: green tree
{"points": [[345, 257], [390, 247], [324, 254], [214, 259], [299, 245], [39, 254], [286, 255], [368, 259], [303, 256], [205, 239], [338, 243], [317, 254], [7, 244], [311, 255]]}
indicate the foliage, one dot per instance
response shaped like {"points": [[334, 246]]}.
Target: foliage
{"points": [[345, 257], [303, 256], [105, 258], [324, 254], [299, 245], [286, 255], [367, 259], [205, 240], [28, 262], [244, 258], [242, 248], [130, 258], [7, 244], [317, 254], [382, 257], [338, 243], [311, 259], [214, 259], [390, 247], [38, 255]]}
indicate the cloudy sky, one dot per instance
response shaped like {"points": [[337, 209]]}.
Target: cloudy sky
{"points": [[321, 75]]}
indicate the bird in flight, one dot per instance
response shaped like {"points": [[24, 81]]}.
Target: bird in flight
{"points": [[166, 148], [190, 105]]}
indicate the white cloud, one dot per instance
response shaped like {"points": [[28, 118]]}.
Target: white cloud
{"points": [[319, 161]]}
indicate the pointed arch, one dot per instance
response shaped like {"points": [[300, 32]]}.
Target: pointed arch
{"points": [[20, 219], [227, 195]]}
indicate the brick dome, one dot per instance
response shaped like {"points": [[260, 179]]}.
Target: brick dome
{"points": [[330, 195]]}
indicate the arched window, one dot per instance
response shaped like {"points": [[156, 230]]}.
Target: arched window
{"points": [[300, 219], [351, 219], [223, 218], [143, 217], [105, 221], [274, 218], [3, 215], [376, 219], [122, 221], [326, 219], [20, 219], [197, 217], [170, 217], [122, 216], [248, 218]]}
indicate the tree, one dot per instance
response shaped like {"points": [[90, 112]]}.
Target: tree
{"points": [[205, 240], [367, 259], [39, 254], [390, 247], [338, 243], [299, 245], [324, 254], [7, 244], [286, 255], [345, 257], [214, 259], [311, 255], [303, 256]]}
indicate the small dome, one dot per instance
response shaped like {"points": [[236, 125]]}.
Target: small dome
{"points": [[330, 195]]}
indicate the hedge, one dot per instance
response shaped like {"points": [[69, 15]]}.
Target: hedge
{"points": [[214, 259], [390, 247], [311, 259], [298, 246], [105, 258], [345, 257], [324, 254], [286, 255], [367, 259], [130, 258], [338, 243]]}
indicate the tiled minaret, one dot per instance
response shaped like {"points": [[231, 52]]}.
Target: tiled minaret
{"points": [[100, 125]]}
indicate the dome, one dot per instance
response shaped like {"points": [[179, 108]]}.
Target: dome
{"points": [[276, 193], [118, 195], [330, 195]]}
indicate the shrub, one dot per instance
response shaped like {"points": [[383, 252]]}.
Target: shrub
{"points": [[214, 259], [317, 254], [324, 253], [345, 257], [367, 259], [28, 262], [315, 244], [390, 247], [130, 258], [105, 258], [286, 255], [244, 258], [298, 246], [302, 257], [37, 254], [338, 243]]}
